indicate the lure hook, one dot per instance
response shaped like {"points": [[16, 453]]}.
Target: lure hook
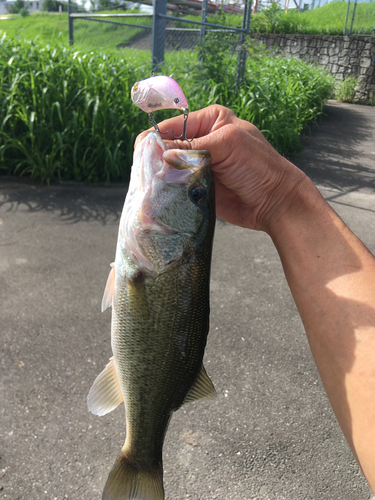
{"points": [[151, 119], [183, 135]]}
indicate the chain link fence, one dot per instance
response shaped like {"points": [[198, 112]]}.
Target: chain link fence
{"points": [[175, 30]]}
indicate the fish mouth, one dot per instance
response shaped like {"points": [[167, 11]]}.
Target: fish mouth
{"points": [[181, 159]]}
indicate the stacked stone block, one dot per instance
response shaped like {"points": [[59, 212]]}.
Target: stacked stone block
{"points": [[343, 56]]}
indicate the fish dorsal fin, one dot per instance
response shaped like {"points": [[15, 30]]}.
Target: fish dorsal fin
{"points": [[105, 394], [203, 388], [109, 289]]}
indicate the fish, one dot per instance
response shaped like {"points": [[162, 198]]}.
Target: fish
{"points": [[158, 92], [158, 288]]}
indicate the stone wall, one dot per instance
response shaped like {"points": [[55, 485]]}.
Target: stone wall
{"points": [[342, 55]]}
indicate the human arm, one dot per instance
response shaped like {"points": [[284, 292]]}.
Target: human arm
{"points": [[330, 272]]}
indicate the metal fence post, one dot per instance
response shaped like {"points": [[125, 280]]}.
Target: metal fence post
{"points": [[241, 61], [353, 15], [203, 19], [347, 15], [158, 32], [70, 23]]}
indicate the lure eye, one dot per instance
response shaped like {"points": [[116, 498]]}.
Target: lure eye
{"points": [[176, 100], [135, 87], [198, 194]]}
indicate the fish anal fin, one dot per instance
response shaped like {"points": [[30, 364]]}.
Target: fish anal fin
{"points": [[105, 394], [109, 289], [126, 481], [203, 388]]}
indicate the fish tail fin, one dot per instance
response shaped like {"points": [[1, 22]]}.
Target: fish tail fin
{"points": [[126, 481]]}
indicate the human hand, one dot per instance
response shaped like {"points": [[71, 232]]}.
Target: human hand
{"points": [[254, 184]]}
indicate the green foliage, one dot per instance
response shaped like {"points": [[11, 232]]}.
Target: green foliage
{"points": [[53, 29], [280, 96], [216, 59], [326, 20], [17, 6], [54, 6], [67, 114], [276, 20], [24, 12], [330, 19], [345, 91]]}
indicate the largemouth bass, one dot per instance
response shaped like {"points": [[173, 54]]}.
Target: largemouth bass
{"points": [[158, 288]]}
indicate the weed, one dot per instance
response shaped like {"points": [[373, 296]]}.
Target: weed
{"points": [[345, 90]]}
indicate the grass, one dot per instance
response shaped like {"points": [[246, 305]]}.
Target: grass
{"points": [[330, 19], [67, 114], [52, 28], [345, 91], [326, 20]]}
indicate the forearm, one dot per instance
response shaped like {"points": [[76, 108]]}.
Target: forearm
{"points": [[332, 278]]}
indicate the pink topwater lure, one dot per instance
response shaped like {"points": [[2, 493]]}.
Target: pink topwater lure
{"points": [[160, 92]]}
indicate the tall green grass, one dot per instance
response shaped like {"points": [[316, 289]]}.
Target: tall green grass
{"points": [[67, 114]]}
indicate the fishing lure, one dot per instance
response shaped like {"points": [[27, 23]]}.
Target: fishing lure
{"points": [[160, 92]]}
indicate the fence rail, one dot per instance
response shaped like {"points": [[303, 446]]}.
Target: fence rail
{"points": [[161, 28]]}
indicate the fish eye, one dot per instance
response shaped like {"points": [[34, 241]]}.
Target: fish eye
{"points": [[198, 194], [176, 100], [135, 87]]}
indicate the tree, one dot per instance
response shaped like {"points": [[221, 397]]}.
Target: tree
{"points": [[17, 6]]}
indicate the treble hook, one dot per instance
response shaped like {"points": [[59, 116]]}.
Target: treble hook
{"points": [[151, 119], [183, 135]]}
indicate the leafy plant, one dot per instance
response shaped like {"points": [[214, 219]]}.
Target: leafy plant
{"points": [[17, 6], [67, 114], [276, 20], [346, 89]]}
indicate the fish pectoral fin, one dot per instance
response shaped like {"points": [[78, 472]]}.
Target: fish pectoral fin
{"points": [[109, 289], [105, 394], [203, 388]]}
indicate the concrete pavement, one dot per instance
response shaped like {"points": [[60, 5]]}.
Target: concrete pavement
{"points": [[269, 435]]}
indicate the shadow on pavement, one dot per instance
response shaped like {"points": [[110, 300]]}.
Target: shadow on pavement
{"points": [[340, 150], [73, 203]]}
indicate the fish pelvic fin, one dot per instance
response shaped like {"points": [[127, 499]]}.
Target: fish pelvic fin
{"points": [[126, 481], [105, 394], [203, 388], [109, 289]]}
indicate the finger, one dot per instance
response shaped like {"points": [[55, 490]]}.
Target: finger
{"points": [[199, 123], [219, 143]]}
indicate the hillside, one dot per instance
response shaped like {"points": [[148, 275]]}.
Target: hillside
{"points": [[52, 28]]}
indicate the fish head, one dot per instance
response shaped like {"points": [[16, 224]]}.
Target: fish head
{"points": [[169, 211]]}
